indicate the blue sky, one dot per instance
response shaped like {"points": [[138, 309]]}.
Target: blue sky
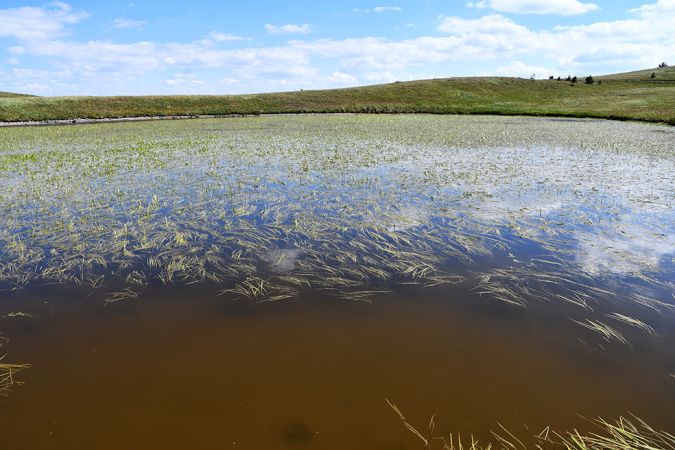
{"points": [[218, 47]]}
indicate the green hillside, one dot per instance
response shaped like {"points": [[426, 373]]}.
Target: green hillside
{"points": [[12, 95], [660, 74], [628, 96]]}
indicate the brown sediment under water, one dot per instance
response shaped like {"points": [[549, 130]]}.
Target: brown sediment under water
{"points": [[264, 283], [180, 371], [183, 372]]}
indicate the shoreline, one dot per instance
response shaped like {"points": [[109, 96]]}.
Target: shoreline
{"points": [[83, 121], [89, 121]]}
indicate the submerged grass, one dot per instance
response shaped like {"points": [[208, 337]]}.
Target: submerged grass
{"points": [[623, 434], [8, 371], [608, 333], [574, 213]]}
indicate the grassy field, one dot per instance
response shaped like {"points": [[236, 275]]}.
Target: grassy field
{"points": [[660, 74], [12, 95], [629, 96]]}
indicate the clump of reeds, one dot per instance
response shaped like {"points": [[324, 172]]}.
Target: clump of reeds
{"points": [[623, 434], [8, 371]]}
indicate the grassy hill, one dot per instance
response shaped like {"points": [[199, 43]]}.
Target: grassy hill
{"points": [[630, 96], [12, 95], [660, 74]]}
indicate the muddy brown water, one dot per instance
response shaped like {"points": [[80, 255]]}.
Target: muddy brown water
{"points": [[555, 236], [182, 370]]}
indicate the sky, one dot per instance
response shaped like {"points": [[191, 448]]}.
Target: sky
{"points": [[140, 47]]}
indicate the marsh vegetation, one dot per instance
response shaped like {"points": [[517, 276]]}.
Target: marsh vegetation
{"points": [[554, 230]]}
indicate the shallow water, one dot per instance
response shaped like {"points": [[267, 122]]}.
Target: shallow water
{"points": [[270, 282], [184, 372]]}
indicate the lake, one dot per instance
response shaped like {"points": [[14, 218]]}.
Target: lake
{"points": [[275, 281]]}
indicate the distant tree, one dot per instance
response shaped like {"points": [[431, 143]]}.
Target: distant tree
{"points": [[574, 79], [589, 80], [532, 76], [569, 78], [550, 77], [558, 78], [599, 81], [663, 64], [653, 75]]}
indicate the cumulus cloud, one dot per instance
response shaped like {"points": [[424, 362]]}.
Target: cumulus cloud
{"points": [[184, 79], [289, 28], [226, 37], [378, 10], [651, 10], [558, 7], [639, 41], [342, 78], [35, 23], [381, 9], [494, 23], [522, 70], [123, 24]]}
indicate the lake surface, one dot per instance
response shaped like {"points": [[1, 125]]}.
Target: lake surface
{"points": [[271, 282]]}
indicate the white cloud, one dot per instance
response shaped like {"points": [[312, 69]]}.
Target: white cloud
{"points": [[651, 10], [34, 23], [183, 80], [124, 24], [622, 44], [378, 10], [495, 23], [558, 7], [342, 78], [522, 70], [382, 9], [377, 54], [289, 28], [226, 37]]}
